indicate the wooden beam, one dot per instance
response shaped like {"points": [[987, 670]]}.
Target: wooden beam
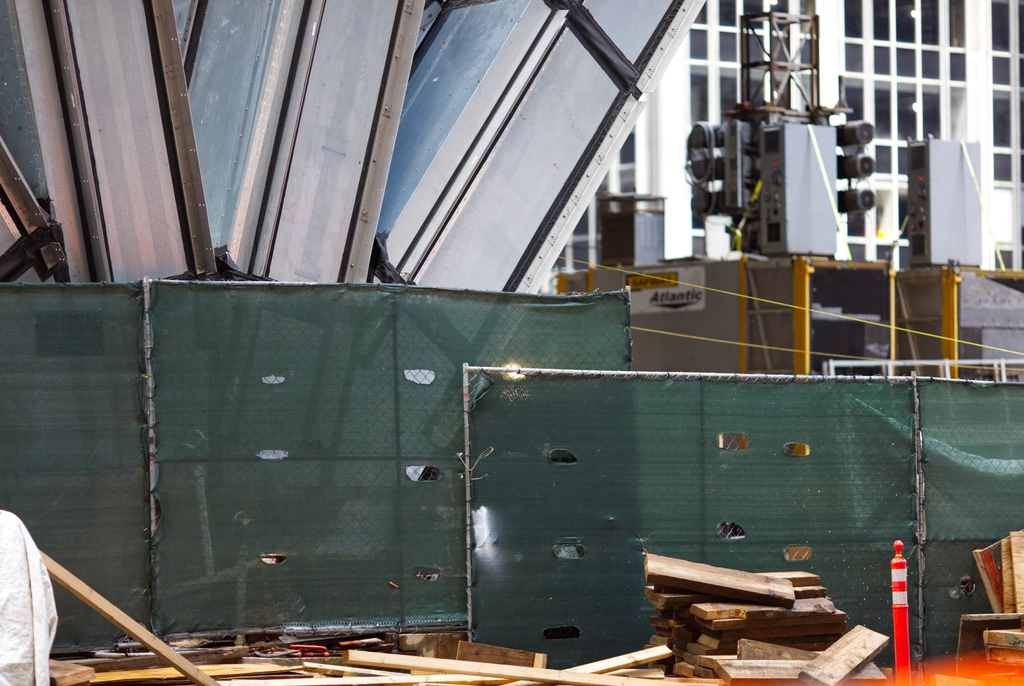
{"points": [[1009, 587], [481, 652], [756, 650], [170, 673], [782, 670], [1017, 555], [426, 664], [730, 583], [122, 621], [811, 607], [638, 657], [1005, 638], [64, 673], [844, 657]]}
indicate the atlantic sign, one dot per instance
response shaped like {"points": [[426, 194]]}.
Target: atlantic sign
{"points": [[672, 291]]}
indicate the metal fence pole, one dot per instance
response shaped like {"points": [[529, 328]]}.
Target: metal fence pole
{"points": [[149, 392], [468, 476], [921, 529]]}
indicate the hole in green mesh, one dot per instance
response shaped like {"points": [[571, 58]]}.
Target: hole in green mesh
{"points": [[730, 531], [797, 552], [424, 473], [569, 551], [273, 558], [562, 456], [427, 573], [561, 632], [797, 449], [732, 441]]}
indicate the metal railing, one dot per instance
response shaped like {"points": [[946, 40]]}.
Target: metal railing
{"points": [[946, 367]]}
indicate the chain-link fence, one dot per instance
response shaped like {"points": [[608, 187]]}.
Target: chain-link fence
{"points": [[755, 473]]}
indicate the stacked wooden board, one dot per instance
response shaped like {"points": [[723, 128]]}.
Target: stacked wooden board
{"points": [[1005, 646], [1001, 567], [703, 611]]}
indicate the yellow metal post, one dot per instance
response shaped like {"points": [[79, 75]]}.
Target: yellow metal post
{"points": [[562, 281], [742, 290], [892, 313], [951, 317], [802, 271], [590, 279]]}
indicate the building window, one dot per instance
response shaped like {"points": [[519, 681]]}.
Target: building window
{"points": [[854, 19], [881, 23], [854, 57]]}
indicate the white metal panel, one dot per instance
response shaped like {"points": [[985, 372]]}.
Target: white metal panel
{"points": [[523, 177], [333, 137], [630, 25], [126, 129]]}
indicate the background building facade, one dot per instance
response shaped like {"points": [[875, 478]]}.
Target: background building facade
{"points": [[945, 68]]}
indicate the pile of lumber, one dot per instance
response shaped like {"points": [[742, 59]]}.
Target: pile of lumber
{"points": [[1005, 646], [1001, 567], [703, 611]]}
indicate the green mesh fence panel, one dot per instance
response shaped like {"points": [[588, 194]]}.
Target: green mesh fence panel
{"points": [[321, 424], [70, 442], [588, 472], [974, 476]]}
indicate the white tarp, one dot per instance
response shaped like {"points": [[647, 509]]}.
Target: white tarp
{"points": [[28, 617]]}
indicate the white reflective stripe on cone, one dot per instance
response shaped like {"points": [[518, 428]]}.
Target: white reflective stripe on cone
{"points": [[899, 598], [899, 574]]}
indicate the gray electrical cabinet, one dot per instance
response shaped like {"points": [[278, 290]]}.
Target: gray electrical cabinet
{"points": [[797, 215], [944, 220]]}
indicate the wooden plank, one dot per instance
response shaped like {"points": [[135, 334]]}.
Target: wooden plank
{"points": [[1007, 656], [658, 640], [63, 673], [778, 631], [844, 657], [783, 670], [638, 657], [481, 652], [747, 649], [736, 624], [810, 592], [665, 623], [990, 567], [426, 664], [398, 678], [973, 628], [208, 671], [1017, 557], [1009, 588], [798, 579], [709, 661], [1005, 638], [682, 669], [801, 608], [147, 661], [637, 673], [729, 583], [125, 623], [667, 601], [704, 672]]}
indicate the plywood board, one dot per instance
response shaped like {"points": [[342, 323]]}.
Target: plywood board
{"points": [[990, 567], [1009, 587], [729, 583]]}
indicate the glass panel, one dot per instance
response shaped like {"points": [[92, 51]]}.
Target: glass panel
{"points": [[1002, 167], [727, 12], [730, 83], [855, 99], [930, 108], [181, 12], [698, 44], [930, 22], [702, 17], [1000, 25], [883, 159], [698, 94], [906, 111], [957, 66], [905, 21], [855, 227], [957, 113], [956, 24], [1001, 71], [854, 57], [930, 64], [752, 6], [1001, 119], [854, 19], [901, 164], [906, 63], [881, 21], [883, 112], [727, 46], [882, 61], [628, 153]]}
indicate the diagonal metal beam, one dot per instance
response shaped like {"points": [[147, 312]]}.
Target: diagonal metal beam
{"points": [[17, 197], [182, 154]]}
